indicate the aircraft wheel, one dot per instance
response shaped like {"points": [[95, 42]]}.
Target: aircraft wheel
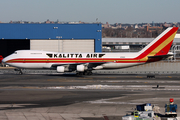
{"points": [[89, 72], [20, 71], [79, 73], [85, 73]]}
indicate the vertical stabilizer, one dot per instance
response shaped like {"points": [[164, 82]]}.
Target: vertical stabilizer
{"points": [[160, 45]]}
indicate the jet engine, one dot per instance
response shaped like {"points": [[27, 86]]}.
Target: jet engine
{"points": [[65, 68], [80, 68], [60, 68]]}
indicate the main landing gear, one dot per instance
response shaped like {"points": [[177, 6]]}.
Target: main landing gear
{"points": [[84, 73], [20, 71]]}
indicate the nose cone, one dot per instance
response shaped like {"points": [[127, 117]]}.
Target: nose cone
{"points": [[5, 60], [2, 60]]}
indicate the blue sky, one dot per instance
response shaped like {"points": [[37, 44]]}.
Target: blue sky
{"points": [[112, 11]]}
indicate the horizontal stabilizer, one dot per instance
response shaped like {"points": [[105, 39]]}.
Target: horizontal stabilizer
{"points": [[160, 56]]}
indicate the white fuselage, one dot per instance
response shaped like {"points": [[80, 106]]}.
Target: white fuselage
{"points": [[41, 60]]}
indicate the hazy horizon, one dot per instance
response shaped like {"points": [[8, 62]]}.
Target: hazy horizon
{"points": [[114, 11]]}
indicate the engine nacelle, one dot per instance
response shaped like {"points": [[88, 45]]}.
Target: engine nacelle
{"points": [[60, 68], [170, 57], [80, 68]]}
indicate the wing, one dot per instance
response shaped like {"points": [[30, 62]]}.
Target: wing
{"points": [[73, 66]]}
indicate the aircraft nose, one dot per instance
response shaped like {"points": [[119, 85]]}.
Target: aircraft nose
{"points": [[4, 60]]}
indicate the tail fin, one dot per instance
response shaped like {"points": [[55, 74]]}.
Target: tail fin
{"points": [[1, 57], [160, 45]]}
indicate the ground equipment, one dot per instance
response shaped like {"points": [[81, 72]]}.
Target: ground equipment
{"points": [[171, 108]]}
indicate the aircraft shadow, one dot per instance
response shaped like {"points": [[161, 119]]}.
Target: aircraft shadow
{"points": [[64, 101]]}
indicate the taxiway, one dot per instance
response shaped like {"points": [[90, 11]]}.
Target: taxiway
{"points": [[65, 97]]}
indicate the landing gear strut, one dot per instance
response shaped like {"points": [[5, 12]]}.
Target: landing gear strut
{"points": [[20, 71]]}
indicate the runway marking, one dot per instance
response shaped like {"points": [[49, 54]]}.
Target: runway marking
{"points": [[105, 101], [113, 87], [16, 105], [137, 81], [99, 87]]}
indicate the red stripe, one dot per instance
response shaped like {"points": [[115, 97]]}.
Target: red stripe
{"points": [[70, 59], [78, 62], [73, 60]]}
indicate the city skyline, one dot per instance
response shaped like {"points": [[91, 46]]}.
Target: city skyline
{"points": [[115, 11], [152, 23]]}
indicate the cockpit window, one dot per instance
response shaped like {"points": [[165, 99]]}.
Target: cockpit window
{"points": [[15, 52]]}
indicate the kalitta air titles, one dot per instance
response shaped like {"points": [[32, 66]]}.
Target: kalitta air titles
{"points": [[75, 55]]}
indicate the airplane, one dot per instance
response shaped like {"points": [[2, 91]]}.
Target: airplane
{"points": [[84, 63]]}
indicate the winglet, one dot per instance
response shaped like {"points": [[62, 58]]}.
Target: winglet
{"points": [[160, 45]]}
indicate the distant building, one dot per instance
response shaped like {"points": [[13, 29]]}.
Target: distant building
{"points": [[153, 23], [49, 22], [136, 26], [153, 28], [107, 25]]}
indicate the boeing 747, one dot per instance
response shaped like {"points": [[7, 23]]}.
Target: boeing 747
{"points": [[84, 63]]}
